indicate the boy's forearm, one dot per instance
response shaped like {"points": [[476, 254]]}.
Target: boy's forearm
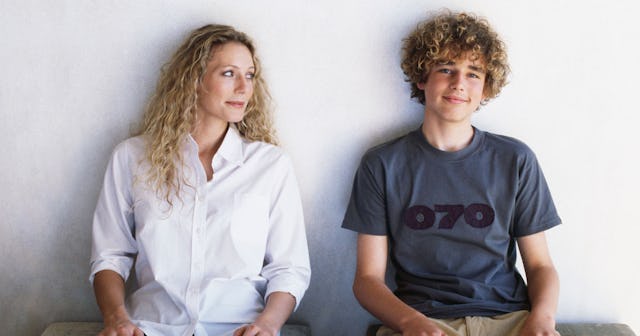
{"points": [[544, 286], [380, 301]]}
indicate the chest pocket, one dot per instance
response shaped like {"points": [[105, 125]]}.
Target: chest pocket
{"points": [[250, 228]]}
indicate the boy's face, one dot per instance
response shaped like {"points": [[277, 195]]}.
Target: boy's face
{"points": [[453, 90]]}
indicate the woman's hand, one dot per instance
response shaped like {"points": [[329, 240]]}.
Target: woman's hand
{"points": [[109, 289], [275, 314], [120, 327], [256, 328]]}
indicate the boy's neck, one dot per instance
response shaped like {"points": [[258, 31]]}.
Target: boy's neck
{"points": [[448, 137]]}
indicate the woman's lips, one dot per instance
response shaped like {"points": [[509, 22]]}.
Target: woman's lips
{"points": [[236, 104]]}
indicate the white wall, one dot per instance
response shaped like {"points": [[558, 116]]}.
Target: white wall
{"points": [[76, 74]]}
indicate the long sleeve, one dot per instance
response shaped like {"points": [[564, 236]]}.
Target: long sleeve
{"points": [[287, 258], [113, 242]]}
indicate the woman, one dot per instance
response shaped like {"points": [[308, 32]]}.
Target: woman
{"points": [[204, 204]]}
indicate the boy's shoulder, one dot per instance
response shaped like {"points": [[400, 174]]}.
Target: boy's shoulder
{"points": [[506, 144], [407, 147], [391, 149]]}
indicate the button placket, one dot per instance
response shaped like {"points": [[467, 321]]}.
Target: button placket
{"points": [[197, 248]]}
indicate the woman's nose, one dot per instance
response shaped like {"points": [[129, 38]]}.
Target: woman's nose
{"points": [[241, 84]]}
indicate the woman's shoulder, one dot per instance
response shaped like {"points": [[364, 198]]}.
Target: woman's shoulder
{"points": [[133, 145], [128, 151], [264, 151]]}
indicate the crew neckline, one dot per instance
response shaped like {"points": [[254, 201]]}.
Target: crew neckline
{"points": [[458, 155]]}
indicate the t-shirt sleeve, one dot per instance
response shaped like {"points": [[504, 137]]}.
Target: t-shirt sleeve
{"points": [[367, 212], [534, 208]]}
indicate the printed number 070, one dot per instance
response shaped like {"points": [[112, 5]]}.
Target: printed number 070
{"points": [[421, 217]]}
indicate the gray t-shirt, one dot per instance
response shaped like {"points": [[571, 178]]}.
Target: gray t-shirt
{"points": [[452, 219]]}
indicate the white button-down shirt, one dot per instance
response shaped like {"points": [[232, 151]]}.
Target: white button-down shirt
{"points": [[224, 246]]}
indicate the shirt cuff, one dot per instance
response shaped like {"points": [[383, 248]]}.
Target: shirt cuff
{"points": [[294, 284], [122, 267]]}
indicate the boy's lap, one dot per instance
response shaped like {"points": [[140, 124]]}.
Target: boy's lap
{"points": [[507, 325]]}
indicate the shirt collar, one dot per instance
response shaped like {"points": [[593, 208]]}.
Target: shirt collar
{"points": [[232, 147]]}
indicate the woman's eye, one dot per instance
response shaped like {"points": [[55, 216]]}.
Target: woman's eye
{"points": [[250, 75], [228, 73]]}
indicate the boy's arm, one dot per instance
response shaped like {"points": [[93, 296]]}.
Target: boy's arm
{"points": [[373, 294], [542, 283]]}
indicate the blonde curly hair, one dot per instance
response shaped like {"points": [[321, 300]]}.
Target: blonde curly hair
{"points": [[170, 115], [446, 36]]}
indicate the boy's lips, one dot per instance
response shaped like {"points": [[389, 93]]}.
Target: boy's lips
{"points": [[455, 99]]}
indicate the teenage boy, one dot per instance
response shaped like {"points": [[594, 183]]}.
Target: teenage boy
{"points": [[449, 203]]}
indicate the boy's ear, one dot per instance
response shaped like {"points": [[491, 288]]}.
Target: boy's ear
{"points": [[420, 85]]}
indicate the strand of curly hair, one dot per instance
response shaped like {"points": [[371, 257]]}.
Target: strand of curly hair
{"points": [[170, 115]]}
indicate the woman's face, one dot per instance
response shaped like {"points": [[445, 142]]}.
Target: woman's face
{"points": [[227, 84]]}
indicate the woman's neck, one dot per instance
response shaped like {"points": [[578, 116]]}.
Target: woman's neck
{"points": [[209, 139]]}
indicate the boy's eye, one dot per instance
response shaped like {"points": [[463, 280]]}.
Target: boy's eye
{"points": [[445, 71], [472, 75]]}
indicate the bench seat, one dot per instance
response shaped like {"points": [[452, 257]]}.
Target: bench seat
{"points": [[572, 329], [93, 328]]}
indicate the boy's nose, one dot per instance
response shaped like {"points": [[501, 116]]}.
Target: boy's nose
{"points": [[457, 82]]}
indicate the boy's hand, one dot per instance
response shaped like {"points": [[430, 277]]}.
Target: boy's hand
{"points": [[420, 325], [536, 325]]}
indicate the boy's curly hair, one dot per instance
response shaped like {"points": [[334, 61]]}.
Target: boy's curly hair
{"points": [[447, 36]]}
